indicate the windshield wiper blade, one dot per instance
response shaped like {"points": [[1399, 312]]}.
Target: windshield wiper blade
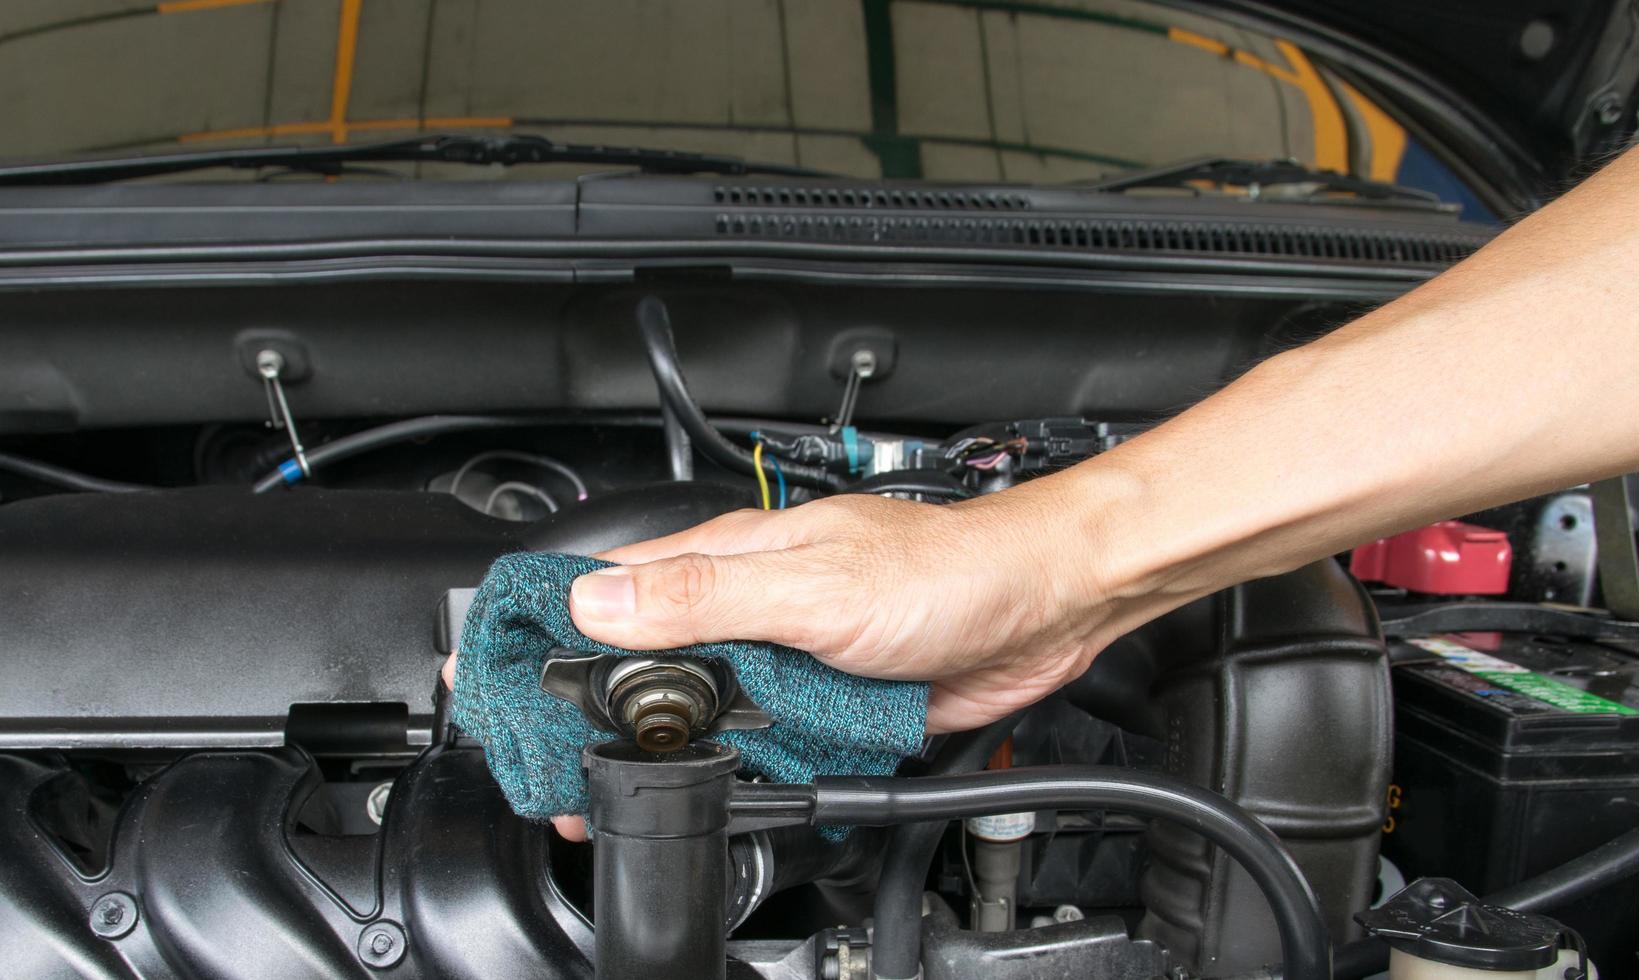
{"points": [[509, 150], [1255, 174]]}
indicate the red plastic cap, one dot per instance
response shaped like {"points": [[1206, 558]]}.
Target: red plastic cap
{"points": [[1448, 558]]}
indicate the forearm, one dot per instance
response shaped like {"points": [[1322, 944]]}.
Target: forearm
{"points": [[1511, 375], [1507, 376]]}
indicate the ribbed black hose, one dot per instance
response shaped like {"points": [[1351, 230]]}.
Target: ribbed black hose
{"points": [[68, 479], [393, 432], [896, 946], [655, 327], [1611, 862], [878, 800]]}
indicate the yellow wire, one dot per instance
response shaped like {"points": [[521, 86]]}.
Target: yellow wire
{"points": [[762, 478]]}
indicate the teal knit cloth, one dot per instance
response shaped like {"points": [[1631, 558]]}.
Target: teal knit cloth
{"points": [[825, 722]]}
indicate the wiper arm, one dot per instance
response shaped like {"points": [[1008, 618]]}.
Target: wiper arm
{"points": [[509, 150], [1254, 174]]}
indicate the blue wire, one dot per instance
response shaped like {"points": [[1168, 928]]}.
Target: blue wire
{"points": [[779, 475]]}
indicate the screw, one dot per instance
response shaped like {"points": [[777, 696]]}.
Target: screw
{"points": [[864, 363], [113, 915], [382, 944], [270, 363]]}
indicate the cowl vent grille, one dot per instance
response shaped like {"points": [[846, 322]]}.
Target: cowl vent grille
{"points": [[897, 198], [1390, 246]]}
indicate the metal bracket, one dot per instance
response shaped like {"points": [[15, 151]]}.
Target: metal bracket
{"points": [[862, 369], [270, 366], [1618, 555], [858, 356]]}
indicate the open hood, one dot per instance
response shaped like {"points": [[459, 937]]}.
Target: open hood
{"points": [[1549, 85]]}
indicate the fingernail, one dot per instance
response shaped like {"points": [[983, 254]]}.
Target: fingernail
{"points": [[607, 593]]}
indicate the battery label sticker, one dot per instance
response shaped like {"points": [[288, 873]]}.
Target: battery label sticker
{"points": [[1516, 678]]}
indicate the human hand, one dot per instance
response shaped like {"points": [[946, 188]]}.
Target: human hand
{"points": [[996, 601]]}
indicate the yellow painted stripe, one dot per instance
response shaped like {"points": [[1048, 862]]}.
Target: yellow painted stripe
{"points": [[1197, 41], [341, 82], [1331, 135], [1388, 138], [185, 6]]}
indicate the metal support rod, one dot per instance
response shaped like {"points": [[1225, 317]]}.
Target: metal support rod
{"points": [[270, 364]]}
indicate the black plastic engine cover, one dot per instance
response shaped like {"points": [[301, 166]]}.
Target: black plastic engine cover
{"points": [[197, 618], [216, 618]]}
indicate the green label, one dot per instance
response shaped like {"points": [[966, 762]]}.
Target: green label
{"points": [[1515, 678]]}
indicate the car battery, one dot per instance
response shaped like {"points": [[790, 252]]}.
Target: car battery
{"points": [[1513, 754]]}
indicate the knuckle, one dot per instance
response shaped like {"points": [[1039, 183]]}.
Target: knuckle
{"points": [[735, 520], [686, 585]]}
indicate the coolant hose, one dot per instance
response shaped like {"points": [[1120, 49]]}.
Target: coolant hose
{"points": [[881, 800], [57, 476], [896, 947], [1615, 860], [386, 435], [655, 326], [679, 451]]}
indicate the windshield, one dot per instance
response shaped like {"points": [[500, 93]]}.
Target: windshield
{"points": [[954, 90]]}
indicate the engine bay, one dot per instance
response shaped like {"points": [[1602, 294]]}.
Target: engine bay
{"points": [[228, 752]]}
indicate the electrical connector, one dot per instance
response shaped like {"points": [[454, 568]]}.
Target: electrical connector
{"points": [[1054, 442]]}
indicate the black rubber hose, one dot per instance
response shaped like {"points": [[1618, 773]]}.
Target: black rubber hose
{"points": [[896, 944], [429, 425], [679, 451], [1611, 862], [655, 326], [67, 479], [386, 435], [878, 800], [928, 484]]}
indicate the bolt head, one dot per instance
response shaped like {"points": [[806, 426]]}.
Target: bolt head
{"points": [[864, 362], [113, 915], [375, 805], [269, 363], [382, 944]]}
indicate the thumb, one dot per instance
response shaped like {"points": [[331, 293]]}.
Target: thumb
{"points": [[688, 599]]}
